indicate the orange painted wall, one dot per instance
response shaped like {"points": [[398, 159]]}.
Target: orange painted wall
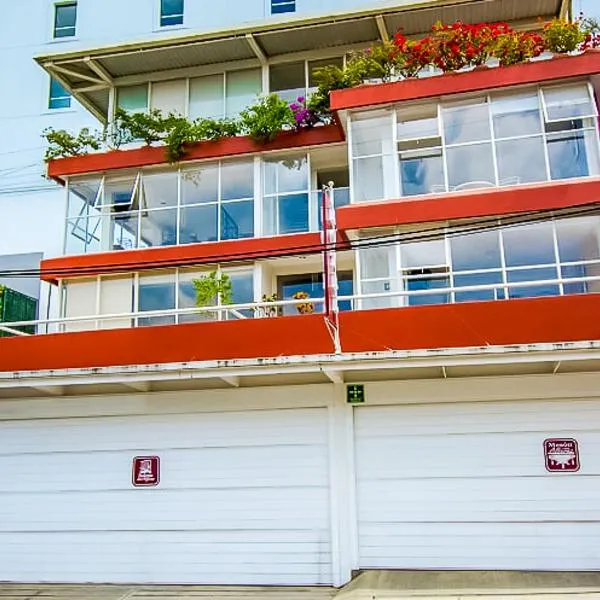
{"points": [[563, 67], [476, 203], [525, 321]]}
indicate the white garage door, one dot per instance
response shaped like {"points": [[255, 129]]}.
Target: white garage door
{"points": [[243, 498], [465, 486]]}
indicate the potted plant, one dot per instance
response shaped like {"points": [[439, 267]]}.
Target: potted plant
{"points": [[268, 311], [304, 308], [212, 290]]}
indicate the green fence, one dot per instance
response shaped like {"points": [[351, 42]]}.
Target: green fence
{"points": [[15, 306]]}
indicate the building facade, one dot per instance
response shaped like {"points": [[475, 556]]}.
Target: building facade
{"points": [[445, 417]]}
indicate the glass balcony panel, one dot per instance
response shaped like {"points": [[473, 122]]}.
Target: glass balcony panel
{"points": [[123, 231], [476, 251], [466, 122], [516, 115], [521, 161], [237, 180], [578, 239], [490, 278], [156, 292], [573, 154], [200, 185], [158, 228], [531, 275], [470, 167], [237, 220], [198, 224], [159, 189], [422, 172], [568, 102], [529, 245], [293, 213]]}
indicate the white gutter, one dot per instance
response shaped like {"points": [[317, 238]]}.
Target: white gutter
{"points": [[331, 365]]}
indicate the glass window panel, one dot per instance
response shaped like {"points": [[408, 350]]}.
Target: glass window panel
{"points": [[345, 288], [237, 180], [288, 80], [59, 97], [65, 20], [573, 154], [269, 226], [376, 262], [237, 220], [186, 294], [242, 291], [207, 97], [423, 254], [470, 167], [419, 122], [529, 245], [568, 102], [83, 194], [423, 282], [118, 193], [283, 176], [476, 251], [158, 228], [171, 12], [479, 279], [378, 287], [83, 235], [521, 161], [578, 239], [198, 224], [169, 96], [159, 189], [313, 65], [242, 89], [466, 122], [123, 232], [368, 179], [372, 135], [200, 185], [421, 172], [293, 213], [133, 98], [156, 292], [516, 115], [311, 283], [526, 275], [279, 7]]}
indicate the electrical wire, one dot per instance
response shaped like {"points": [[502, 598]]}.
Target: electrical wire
{"points": [[412, 236]]}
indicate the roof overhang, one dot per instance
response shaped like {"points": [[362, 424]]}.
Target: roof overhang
{"points": [[90, 73]]}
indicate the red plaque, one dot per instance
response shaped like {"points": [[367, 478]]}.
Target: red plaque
{"points": [[146, 471], [562, 455]]}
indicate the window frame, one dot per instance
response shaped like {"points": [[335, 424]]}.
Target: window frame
{"points": [[67, 96], [55, 28]]}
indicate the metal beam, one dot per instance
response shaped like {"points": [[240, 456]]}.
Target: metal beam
{"points": [[75, 74], [231, 380], [255, 47], [99, 70], [80, 89], [383, 32]]}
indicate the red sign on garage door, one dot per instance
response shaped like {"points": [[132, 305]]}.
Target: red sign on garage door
{"points": [[562, 454], [146, 471]]}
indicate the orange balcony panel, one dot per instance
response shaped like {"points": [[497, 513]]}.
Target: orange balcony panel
{"points": [[127, 261], [476, 203], [147, 156], [563, 67], [474, 324]]}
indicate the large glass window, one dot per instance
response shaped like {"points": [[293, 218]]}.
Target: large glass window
{"points": [[500, 139], [286, 196], [540, 259], [65, 19]]}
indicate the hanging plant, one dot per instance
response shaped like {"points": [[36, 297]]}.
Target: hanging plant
{"points": [[213, 289]]}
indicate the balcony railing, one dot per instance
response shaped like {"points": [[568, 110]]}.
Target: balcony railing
{"points": [[561, 286]]}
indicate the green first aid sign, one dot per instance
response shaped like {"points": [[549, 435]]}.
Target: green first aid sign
{"points": [[355, 394]]}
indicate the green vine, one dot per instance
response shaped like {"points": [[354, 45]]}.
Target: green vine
{"points": [[212, 289], [268, 117], [62, 143]]}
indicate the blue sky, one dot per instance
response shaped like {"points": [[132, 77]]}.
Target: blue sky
{"points": [[591, 8]]}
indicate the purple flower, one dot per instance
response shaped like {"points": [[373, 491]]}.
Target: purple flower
{"points": [[301, 99], [294, 107]]}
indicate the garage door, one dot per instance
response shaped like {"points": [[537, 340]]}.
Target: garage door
{"points": [[465, 486], [243, 498]]}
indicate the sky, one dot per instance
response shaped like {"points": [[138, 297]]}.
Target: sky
{"points": [[591, 8]]}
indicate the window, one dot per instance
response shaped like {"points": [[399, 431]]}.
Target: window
{"points": [[285, 196], [59, 97], [133, 98], [282, 6], [542, 259], [171, 12], [65, 19], [156, 293], [499, 139]]}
